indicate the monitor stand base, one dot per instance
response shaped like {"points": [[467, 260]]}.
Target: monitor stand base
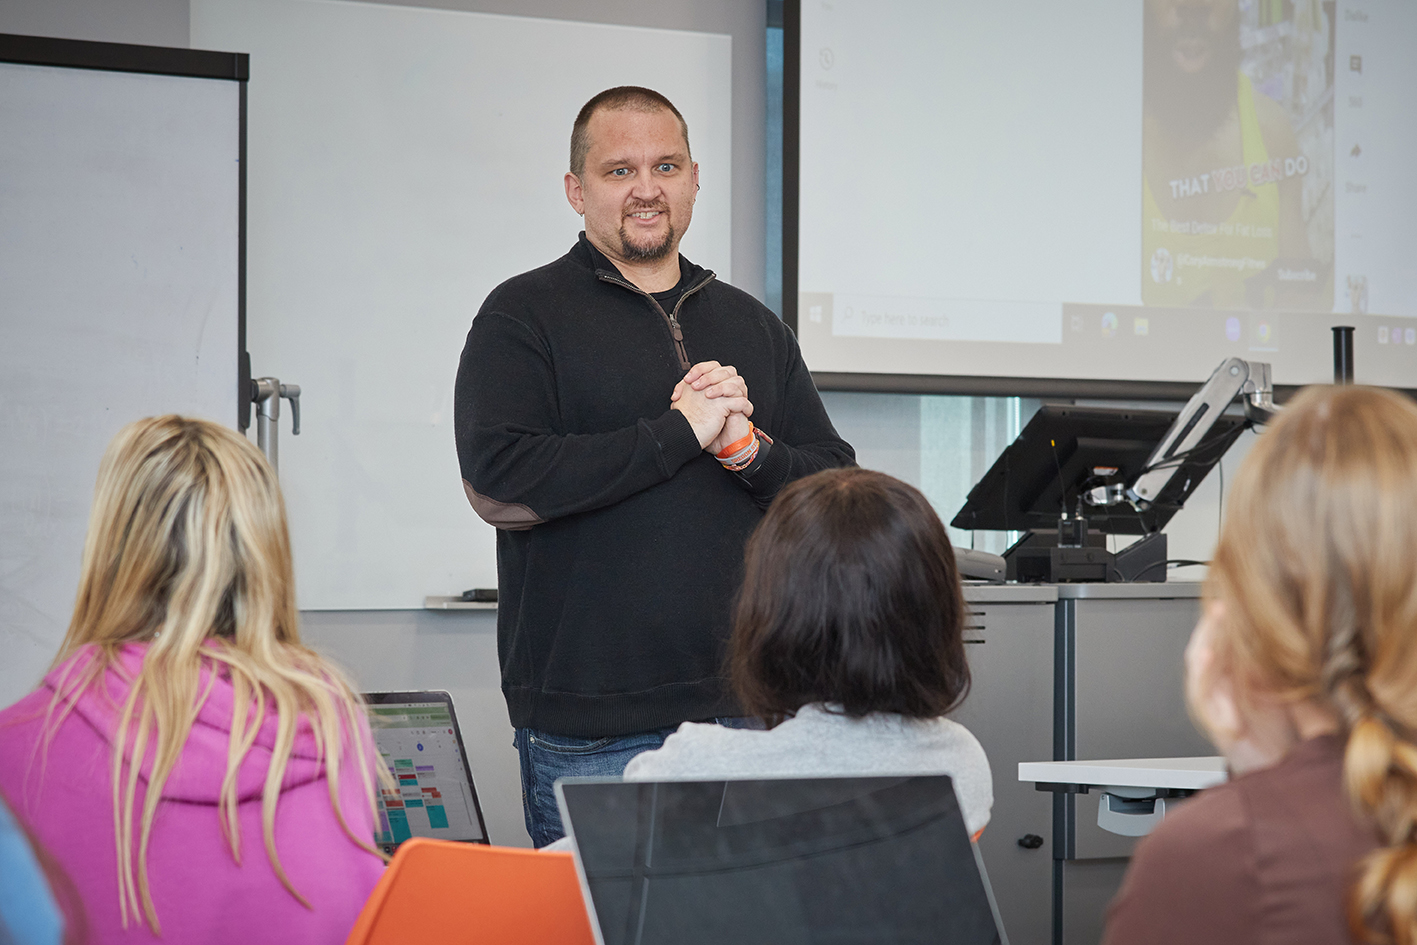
{"points": [[1037, 559]]}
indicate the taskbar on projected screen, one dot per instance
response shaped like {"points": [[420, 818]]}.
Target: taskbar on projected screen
{"points": [[870, 335], [1298, 345]]}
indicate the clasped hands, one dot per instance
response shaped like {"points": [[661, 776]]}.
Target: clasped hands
{"points": [[714, 399]]}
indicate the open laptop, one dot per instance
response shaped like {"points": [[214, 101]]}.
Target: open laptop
{"points": [[781, 861], [418, 738]]}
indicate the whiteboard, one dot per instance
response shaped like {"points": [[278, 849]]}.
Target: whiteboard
{"points": [[119, 245], [403, 162]]}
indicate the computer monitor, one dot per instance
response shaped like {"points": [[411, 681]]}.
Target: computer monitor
{"points": [[1065, 452]]}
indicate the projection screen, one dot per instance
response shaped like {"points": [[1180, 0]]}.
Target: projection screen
{"points": [[1124, 191]]}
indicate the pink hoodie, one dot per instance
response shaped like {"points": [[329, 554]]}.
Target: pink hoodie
{"points": [[200, 893]]}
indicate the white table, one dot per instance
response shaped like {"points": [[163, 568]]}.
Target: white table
{"points": [[1182, 774], [1133, 791]]}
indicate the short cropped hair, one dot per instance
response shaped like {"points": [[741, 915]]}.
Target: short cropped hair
{"points": [[851, 597], [631, 97]]}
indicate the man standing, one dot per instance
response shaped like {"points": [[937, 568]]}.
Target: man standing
{"points": [[605, 427]]}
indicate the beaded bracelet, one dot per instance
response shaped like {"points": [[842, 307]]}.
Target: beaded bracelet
{"points": [[743, 460], [741, 456]]}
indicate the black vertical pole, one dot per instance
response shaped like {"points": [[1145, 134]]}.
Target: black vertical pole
{"points": [[1064, 749], [1342, 354], [791, 152], [243, 357]]}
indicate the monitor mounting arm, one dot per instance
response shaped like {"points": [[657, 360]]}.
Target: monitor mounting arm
{"points": [[1233, 378]]}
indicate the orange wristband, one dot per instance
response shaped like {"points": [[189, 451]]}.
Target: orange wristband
{"points": [[736, 445], [750, 454]]}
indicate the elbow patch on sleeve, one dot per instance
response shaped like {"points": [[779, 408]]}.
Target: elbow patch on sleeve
{"points": [[509, 516]]}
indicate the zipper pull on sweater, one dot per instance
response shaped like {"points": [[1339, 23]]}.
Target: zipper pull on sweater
{"points": [[675, 331]]}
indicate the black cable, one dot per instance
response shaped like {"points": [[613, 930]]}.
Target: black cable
{"points": [[1151, 567], [1145, 530], [1062, 489], [1176, 460], [1169, 562]]}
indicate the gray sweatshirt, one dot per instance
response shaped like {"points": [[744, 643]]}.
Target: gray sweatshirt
{"points": [[820, 743]]}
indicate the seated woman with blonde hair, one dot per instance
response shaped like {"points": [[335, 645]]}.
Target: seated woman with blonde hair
{"points": [[1303, 670], [198, 774], [848, 642]]}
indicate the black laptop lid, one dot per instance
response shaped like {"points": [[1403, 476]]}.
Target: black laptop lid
{"points": [[783, 861]]}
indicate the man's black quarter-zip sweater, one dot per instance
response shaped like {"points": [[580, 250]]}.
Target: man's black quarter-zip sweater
{"points": [[620, 541]]}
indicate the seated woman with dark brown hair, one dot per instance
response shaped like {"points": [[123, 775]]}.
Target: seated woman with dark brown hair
{"points": [[847, 643], [1303, 670]]}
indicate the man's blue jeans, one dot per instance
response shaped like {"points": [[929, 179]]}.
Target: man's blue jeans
{"points": [[546, 757]]}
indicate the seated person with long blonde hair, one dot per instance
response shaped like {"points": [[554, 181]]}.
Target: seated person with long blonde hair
{"points": [[199, 774], [848, 642], [1303, 670]]}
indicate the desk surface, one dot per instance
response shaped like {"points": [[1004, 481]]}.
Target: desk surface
{"points": [[1144, 590], [433, 602], [1010, 593], [973, 594], [1187, 774]]}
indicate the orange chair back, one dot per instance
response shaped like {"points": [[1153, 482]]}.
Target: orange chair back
{"points": [[439, 891]]}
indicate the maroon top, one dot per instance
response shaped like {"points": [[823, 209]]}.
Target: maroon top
{"points": [[1267, 857]]}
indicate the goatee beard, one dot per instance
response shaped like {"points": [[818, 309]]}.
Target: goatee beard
{"points": [[1192, 107], [656, 251]]}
